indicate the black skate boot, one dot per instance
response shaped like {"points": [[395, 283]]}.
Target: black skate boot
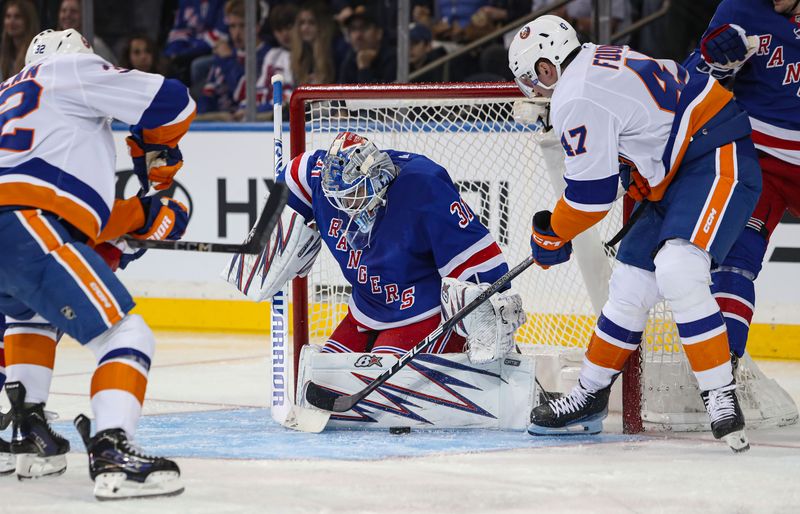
{"points": [[39, 451], [727, 420], [7, 460], [581, 412], [121, 471]]}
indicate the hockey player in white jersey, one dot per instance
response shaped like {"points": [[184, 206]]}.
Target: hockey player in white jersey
{"points": [[56, 202], [681, 148]]}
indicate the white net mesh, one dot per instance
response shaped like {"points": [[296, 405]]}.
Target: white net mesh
{"points": [[507, 171], [500, 171]]}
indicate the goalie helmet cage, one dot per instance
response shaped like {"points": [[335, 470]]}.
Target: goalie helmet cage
{"points": [[505, 172]]}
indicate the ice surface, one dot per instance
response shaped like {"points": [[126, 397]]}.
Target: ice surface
{"points": [[206, 408]]}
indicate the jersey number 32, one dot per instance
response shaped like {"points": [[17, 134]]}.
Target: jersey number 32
{"points": [[18, 139]]}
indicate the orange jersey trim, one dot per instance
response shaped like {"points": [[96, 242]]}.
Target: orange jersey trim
{"points": [[714, 101], [126, 216], [120, 376], [169, 135], [567, 221], [31, 195]]}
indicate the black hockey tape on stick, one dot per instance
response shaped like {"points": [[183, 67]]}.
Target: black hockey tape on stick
{"points": [[325, 399], [255, 242], [629, 225]]}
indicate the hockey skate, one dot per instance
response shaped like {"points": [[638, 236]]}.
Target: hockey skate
{"points": [[39, 451], [727, 420], [581, 412], [120, 471], [7, 464]]}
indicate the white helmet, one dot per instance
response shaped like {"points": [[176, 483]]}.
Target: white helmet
{"points": [[49, 42], [547, 37]]}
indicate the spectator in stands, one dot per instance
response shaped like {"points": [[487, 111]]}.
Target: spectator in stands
{"points": [[371, 59], [581, 14], [421, 52], [278, 60], [225, 90], [69, 17], [199, 24], [20, 24], [312, 44], [454, 16], [140, 53]]}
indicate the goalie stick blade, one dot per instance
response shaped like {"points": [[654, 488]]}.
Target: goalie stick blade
{"points": [[254, 244], [259, 235], [306, 420], [325, 399]]}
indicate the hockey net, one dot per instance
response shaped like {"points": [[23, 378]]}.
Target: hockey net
{"points": [[506, 171]]}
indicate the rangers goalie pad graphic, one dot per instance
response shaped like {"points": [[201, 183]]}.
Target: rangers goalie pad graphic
{"points": [[432, 391]]}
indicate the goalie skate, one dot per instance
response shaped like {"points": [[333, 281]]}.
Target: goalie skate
{"points": [[120, 471], [581, 412], [39, 451]]}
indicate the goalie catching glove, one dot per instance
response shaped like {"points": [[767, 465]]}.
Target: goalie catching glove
{"points": [[489, 329], [290, 252]]}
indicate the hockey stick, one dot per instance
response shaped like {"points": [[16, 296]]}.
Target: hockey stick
{"points": [[254, 244], [283, 408], [323, 398], [628, 225]]}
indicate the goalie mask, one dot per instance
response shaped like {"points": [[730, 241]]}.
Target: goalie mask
{"points": [[547, 37], [49, 42], [355, 177]]}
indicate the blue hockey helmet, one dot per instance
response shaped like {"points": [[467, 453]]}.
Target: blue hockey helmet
{"points": [[355, 174]]}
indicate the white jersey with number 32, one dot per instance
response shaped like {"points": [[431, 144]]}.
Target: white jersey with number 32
{"points": [[56, 146]]}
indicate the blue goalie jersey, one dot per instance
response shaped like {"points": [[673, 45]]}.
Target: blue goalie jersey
{"points": [[424, 232], [767, 86]]}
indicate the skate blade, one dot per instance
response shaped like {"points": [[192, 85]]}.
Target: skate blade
{"points": [[8, 463], [31, 467], [589, 426], [115, 486], [737, 441]]}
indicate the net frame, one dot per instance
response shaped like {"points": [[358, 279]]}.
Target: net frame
{"points": [[661, 348], [442, 92]]}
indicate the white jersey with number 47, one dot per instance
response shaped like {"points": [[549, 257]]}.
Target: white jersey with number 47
{"points": [[613, 104]]}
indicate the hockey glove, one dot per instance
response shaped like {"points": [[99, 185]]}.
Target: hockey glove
{"points": [[634, 183], [165, 218], [154, 164], [548, 249], [118, 254], [725, 46]]}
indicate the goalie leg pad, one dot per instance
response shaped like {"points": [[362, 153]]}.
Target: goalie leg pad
{"points": [[489, 329]]}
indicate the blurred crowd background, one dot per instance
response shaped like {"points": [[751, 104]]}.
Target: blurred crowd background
{"points": [[202, 42]]}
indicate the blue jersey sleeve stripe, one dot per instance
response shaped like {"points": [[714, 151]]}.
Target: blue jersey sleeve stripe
{"points": [[170, 101], [592, 192]]}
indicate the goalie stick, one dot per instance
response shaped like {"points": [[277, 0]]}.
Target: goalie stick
{"points": [[255, 242], [283, 408], [323, 398]]}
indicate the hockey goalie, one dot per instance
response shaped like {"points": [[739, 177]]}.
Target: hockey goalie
{"points": [[413, 253]]}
